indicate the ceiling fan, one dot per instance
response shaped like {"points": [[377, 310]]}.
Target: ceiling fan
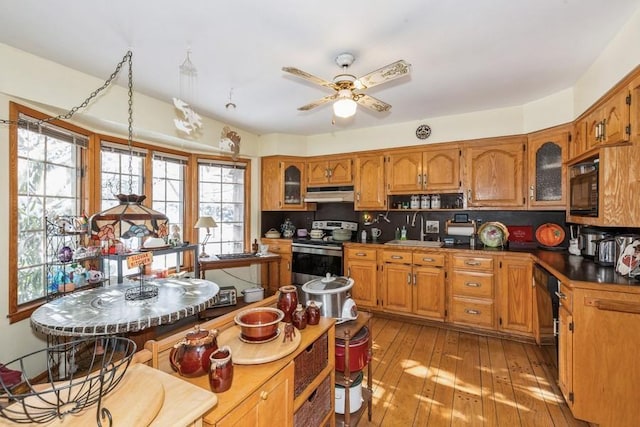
{"points": [[349, 89]]}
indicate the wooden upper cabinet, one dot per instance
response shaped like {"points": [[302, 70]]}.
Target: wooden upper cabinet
{"points": [[429, 170], [282, 184], [337, 171], [547, 156], [494, 173], [578, 143], [369, 182], [609, 123], [634, 110]]}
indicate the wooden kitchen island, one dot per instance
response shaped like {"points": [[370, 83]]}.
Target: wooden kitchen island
{"points": [[296, 389]]}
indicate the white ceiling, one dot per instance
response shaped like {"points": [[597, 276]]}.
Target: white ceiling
{"points": [[466, 55]]}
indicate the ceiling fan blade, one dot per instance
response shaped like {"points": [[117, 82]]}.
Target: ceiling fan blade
{"points": [[388, 72], [304, 75], [372, 103], [318, 102]]}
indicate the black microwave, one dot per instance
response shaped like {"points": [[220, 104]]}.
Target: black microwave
{"points": [[583, 191]]}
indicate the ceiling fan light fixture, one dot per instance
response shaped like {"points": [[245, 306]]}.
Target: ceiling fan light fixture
{"points": [[344, 106]]}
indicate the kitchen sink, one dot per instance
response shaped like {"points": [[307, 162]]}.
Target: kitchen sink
{"points": [[420, 243]]}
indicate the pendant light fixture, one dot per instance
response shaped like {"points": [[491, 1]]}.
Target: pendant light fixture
{"points": [[130, 218]]}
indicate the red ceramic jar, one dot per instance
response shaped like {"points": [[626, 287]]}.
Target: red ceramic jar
{"points": [[288, 301]]}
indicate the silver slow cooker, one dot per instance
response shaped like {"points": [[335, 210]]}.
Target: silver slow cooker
{"points": [[332, 295]]}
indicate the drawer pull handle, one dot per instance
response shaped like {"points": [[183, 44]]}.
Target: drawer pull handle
{"points": [[310, 348], [361, 254], [428, 259], [397, 257], [409, 278], [471, 311], [264, 395], [473, 284], [472, 262]]}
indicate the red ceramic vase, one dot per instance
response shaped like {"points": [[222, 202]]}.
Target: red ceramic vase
{"points": [[288, 301]]}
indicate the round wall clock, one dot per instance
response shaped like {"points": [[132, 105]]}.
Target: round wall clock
{"points": [[423, 131]]}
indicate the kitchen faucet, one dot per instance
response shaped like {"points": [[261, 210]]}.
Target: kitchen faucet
{"points": [[413, 224]]}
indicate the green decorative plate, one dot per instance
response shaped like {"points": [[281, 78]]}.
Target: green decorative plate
{"points": [[493, 234]]}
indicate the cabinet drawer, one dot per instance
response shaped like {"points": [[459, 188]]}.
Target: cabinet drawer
{"points": [[399, 257], [361, 253], [428, 258], [473, 312], [474, 284], [310, 363], [472, 262], [278, 246], [316, 407]]}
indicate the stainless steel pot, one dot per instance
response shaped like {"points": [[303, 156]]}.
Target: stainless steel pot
{"points": [[587, 241], [605, 251], [332, 295]]}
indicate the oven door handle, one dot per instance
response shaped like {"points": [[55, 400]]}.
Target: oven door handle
{"points": [[314, 249]]}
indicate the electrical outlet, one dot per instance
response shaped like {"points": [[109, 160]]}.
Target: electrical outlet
{"points": [[432, 226]]}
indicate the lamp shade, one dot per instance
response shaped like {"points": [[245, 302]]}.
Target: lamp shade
{"points": [[205, 222], [128, 219], [344, 107]]}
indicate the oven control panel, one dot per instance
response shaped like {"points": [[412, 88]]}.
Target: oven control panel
{"points": [[334, 225]]}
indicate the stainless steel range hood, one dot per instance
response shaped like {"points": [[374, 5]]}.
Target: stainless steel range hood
{"points": [[329, 195]]}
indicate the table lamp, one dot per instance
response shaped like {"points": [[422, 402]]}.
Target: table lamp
{"points": [[205, 222]]}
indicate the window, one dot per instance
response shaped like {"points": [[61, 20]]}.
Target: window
{"points": [[221, 191], [168, 197], [122, 172], [49, 161]]}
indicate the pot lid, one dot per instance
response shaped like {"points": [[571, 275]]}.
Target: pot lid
{"points": [[360, 338], [328, 285]]}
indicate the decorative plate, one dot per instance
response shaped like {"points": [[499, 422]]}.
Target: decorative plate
{"points": [[493, 234], [550, 234], [423, 131]]}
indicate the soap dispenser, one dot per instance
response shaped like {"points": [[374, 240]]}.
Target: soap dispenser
{"points": [[403, 233]]}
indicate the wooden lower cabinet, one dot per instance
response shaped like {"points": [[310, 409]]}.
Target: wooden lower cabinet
{"points": [[414, 283], [361, 265], [271, 405], [283, 248], [515, 290], [472, 291], [606, 344]]}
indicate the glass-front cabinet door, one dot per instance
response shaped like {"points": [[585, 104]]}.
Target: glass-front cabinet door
{"points": [[547, 170], [292, 181]]}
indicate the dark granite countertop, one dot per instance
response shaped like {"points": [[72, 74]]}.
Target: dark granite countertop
{"points": [[578, 270]]}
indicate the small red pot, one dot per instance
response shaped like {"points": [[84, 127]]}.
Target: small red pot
{"points": [[358, 351]]}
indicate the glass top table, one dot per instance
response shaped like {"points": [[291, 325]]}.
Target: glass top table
{"points": [[104, 310]]}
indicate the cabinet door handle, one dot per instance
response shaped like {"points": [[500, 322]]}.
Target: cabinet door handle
{"points": [[415, 278], [471, 311], [419, 179], [361, 254], [288, 266], [531, 192], [428, 259], [358, 196], [424, 180], [603, 133], [408, 278], [474, 263], [330, 172], [469, 194], [264, 395], [560, 295], [397, 257], [472, 284], [349, 272]]}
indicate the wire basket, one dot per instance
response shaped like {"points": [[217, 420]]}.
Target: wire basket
{"points": [[68, 379]]}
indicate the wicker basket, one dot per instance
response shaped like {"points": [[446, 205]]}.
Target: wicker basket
{"points": [[310, 363], [317, 406]]}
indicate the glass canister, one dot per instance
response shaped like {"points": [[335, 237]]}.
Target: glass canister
{"points": [[435, 201], [415, 202], [221, 370], [425, 201]]}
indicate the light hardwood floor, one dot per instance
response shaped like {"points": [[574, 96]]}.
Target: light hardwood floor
{"points": [[427, 376]]}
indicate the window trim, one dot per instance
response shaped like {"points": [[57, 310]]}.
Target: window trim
{"points": [[17, 311]]}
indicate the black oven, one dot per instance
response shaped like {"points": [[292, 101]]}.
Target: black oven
{"points": [[315, 260]]}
